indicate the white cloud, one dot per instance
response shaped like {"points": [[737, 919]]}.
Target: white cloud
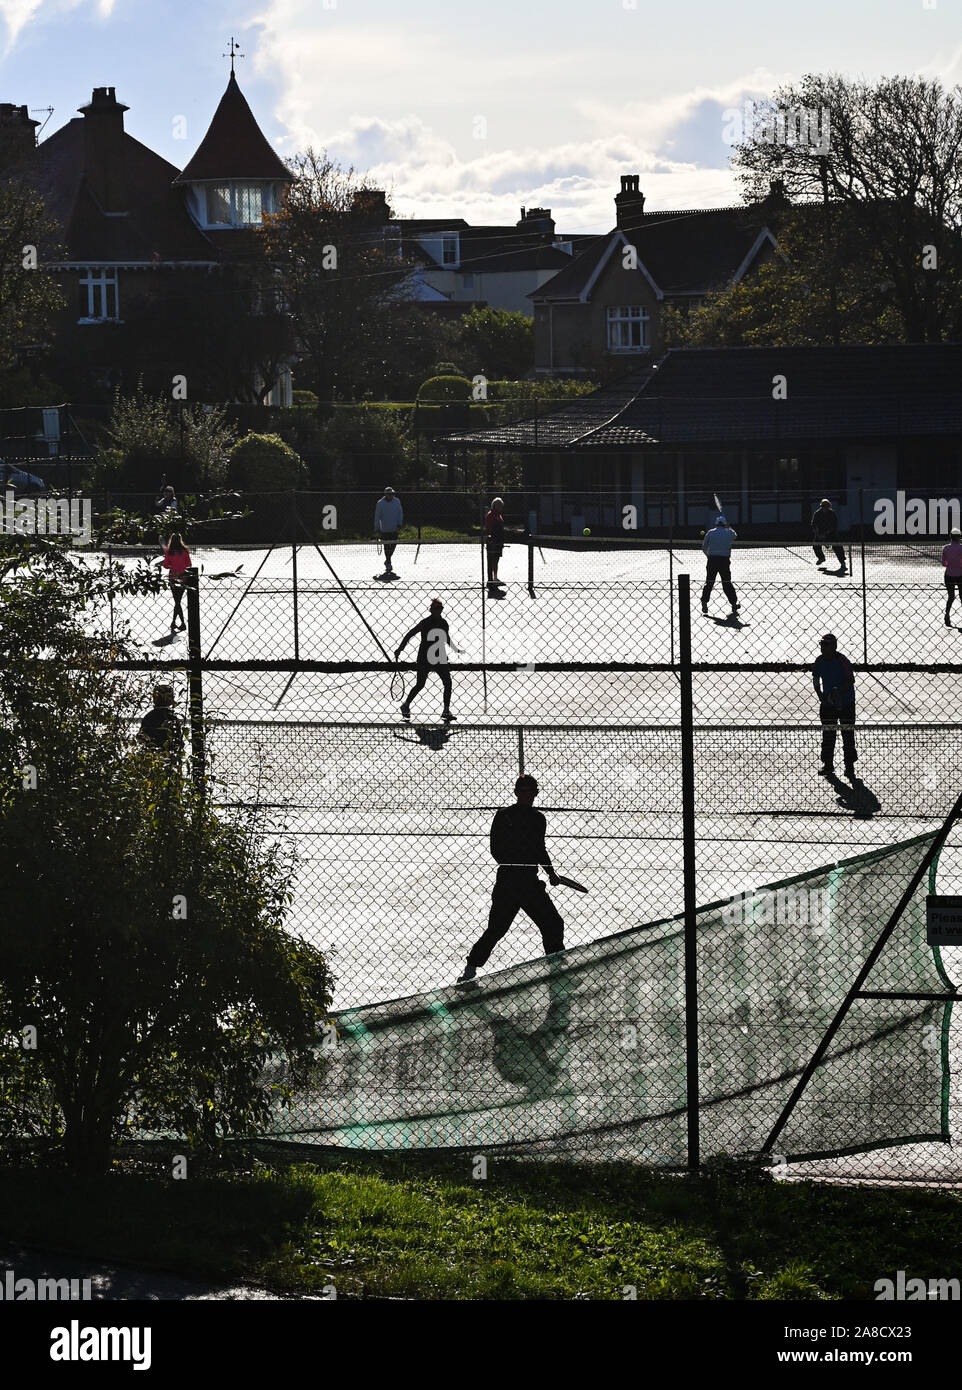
{"points": [[16, 15]]}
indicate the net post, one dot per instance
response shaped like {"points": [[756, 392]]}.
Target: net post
{"points": [[195, 679], [530, 565], [688, 864], [294, 594]]}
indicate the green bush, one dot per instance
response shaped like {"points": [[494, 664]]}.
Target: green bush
{"points": [[304, 398], [264, 463], [445, 388]]}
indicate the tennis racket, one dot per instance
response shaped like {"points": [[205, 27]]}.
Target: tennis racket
{"points": [[397, 684], [571, 883], [380, 547], [718, 505]]}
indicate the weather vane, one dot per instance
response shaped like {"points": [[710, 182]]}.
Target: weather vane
{"points": [[234, 53]]}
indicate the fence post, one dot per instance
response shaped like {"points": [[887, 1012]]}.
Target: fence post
{"points": [[110, 562], [195, 683], [671, 580], [531, 566], [861, 529], [297, 638], [688, 864]]}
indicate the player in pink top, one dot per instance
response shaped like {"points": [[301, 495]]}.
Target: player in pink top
{"points": [[952, 562], [176, 560]]}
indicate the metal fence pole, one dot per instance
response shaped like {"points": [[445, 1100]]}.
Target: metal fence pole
{"points": [[294, 595], [671, 586], [688, 863], [195, 679], [861, 529]]}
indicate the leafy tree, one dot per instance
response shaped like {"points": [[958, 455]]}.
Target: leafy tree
{"points": [[496, 342], [889, 175], [812, 293], [358, 329], [368, 447], [29, 296], [144, 947], [147, 438]]}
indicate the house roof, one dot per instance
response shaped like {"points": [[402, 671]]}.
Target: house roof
{"points": [[683, 252], [157, 221], [486, 250], [723, 396], [234, 147]]}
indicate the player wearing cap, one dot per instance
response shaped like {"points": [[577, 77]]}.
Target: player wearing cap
{"points": [[432, 656], [388, 520], [717, 546], [517, 843], [825, 528], [160, 727], [952, 564]]}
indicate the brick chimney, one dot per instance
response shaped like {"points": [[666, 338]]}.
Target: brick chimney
{"points": [[17, 135], [371, 204], [537, 220], [629, 203], [104, 162]]}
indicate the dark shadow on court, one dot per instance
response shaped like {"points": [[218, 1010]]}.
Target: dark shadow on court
{"points": [[433, 736], [731, 620], [534, 1057], [855, 797]]}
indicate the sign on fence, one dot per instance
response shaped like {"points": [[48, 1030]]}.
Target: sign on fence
{"points": [[943, 919]]}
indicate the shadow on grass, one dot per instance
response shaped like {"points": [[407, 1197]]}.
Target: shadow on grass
{"points": [[421, 1226]]}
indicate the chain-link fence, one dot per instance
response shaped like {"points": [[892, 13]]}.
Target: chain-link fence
{"points": [[748, 967]]}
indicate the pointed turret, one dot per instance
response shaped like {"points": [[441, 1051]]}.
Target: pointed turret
{"points": [[234, 174]]}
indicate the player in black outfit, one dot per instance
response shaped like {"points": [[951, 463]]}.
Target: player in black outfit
{"points": [[160, 727], [517, 843], [825, 528], [432, 656]]}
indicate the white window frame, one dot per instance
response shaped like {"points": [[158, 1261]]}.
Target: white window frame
{"points": [[98, 279], [449, 242], [620, 321], [268, 201]]}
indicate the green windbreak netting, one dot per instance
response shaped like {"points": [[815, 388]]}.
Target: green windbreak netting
{"points": [[585, 1051]]}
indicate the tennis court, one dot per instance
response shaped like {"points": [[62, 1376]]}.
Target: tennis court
{"points": [[572, 675]]}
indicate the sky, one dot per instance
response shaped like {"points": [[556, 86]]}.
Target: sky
{"points": [[471, 108]]}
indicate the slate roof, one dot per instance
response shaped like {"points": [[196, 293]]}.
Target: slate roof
{"points": [[723, 396], [486, 250], [157, 221], [684, 252], [234, 147]]}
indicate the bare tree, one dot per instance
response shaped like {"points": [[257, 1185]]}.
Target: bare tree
{"points": [[888, 161]]}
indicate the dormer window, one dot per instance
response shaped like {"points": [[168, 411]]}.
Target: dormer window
{"points": [[449, 250], [235, 204]]}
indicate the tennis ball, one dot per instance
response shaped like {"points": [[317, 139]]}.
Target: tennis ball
{"points": [[586, 531], [701, 533]]}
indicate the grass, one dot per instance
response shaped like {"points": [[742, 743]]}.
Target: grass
{"points": [[425, 1228]]}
